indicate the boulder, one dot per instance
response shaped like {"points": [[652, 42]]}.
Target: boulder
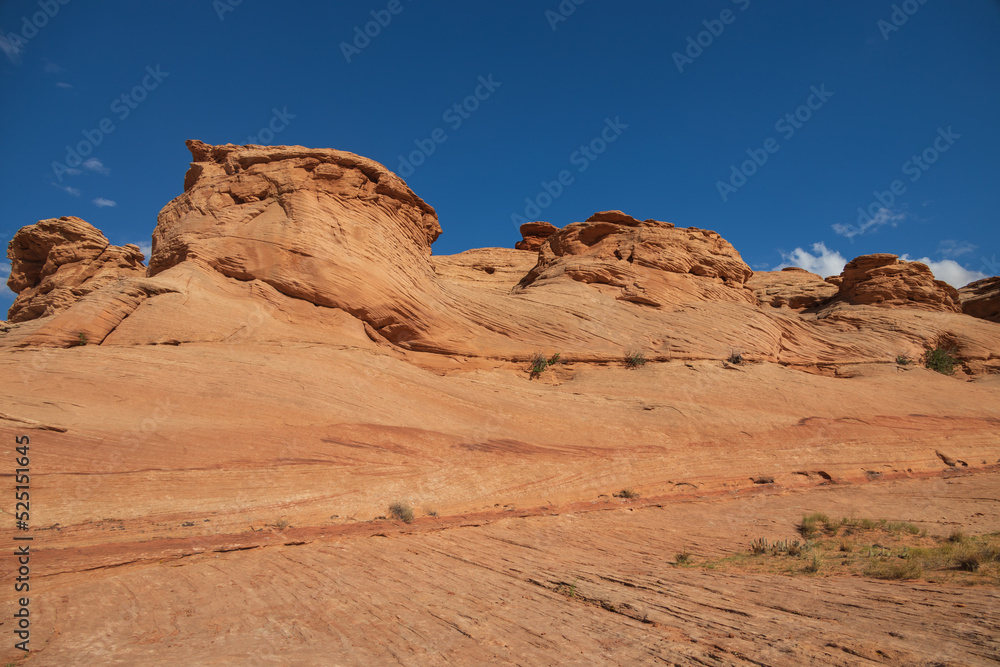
{"points": [[56, 262]]}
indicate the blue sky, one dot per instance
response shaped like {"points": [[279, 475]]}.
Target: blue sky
{"points": [[772, 123]]}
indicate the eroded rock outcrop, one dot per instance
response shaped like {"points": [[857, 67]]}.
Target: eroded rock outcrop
{"points": [[534, 235], [289, 245], [982, 299], [57, 262], [792, 287], [327, 226], [885, 280], [652, 262]]}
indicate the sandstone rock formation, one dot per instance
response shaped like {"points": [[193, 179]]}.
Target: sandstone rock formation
{"points": [[295, 359], [792, 287], [57, 262], [885, 280], [652, 262], [982, 299], [534, 235]]}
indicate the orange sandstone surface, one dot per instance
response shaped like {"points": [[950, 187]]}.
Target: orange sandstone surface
{"points": [[216, 438]]}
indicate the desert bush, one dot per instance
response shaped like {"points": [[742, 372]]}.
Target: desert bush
{"points": [[401, 512], [903, 360], [635, 359], [940, 360], [813, 523], [626, 493], [735, 357], [538, 365], [81, 338], [682, 558], [555, 359]]}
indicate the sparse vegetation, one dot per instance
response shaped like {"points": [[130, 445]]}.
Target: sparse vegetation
{"points": [[81, 339], [555, 359], [401, 512], [788, 547], [735, 357], [569, 590], [682, 558], [635, 359], [280, 524], [903, 360], [626, 493], [432, 513], [941, 360], [538, 365], [813, 566], [891, 550]]}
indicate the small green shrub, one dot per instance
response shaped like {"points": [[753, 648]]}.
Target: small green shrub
{"points": [[682, 558], [940, 360], [401, 512], [735, 357], [538, 365], [635, 359], [81, 339], [555, 359]]}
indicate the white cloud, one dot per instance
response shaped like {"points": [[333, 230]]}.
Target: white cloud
{"points": [[821, 260], [949, 271], [11, 48], [101, 202], [63, 84], [93, 164], [872, 224], [4, 270], [950, 248], [68, 189]]}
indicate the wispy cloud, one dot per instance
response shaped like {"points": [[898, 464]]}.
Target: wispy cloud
{"points": [[4, 271], [93, 164], [821, 260], [11, 48], [68, 189], [51, 67], [950, 248], [871, 224], [101, 202], [63, 84], [949, 271]]}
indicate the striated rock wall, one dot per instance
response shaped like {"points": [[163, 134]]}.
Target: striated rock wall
{"points": [[982, 299]]}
